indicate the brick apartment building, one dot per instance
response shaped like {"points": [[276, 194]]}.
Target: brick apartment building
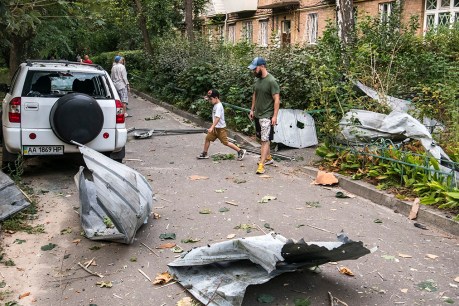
{"points": [[283, 22]]}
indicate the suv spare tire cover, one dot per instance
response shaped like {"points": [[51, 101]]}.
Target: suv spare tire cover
{"points": [[76, 117]]}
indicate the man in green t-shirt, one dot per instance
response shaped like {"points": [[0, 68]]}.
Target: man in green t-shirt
{"points": [[265, 106]]}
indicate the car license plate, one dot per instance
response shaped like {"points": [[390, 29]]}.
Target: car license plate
{"points": [[43, 150]]}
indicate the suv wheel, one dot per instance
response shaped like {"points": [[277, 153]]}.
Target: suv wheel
{"points": [[76, 117]]}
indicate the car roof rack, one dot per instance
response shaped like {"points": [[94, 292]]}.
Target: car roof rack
{"points": [[31, 62]]}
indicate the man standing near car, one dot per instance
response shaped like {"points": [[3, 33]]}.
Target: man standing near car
{"points": [[119, 78], [265, 106]]}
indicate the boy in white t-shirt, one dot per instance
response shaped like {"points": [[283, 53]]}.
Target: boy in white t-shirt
{"points": [[218, 128]]}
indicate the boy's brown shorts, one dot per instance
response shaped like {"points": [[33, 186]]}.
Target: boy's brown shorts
{"points": [[220, 134]]}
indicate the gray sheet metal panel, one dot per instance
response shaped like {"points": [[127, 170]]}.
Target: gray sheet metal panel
{"points": [[219, 274], [12, 200], [122, 193], [295, 129]]}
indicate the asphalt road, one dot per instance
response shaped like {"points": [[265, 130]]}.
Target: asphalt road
{"points": [[410, 267]]}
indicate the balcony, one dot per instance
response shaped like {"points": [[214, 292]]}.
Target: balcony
{"points": [[219, 7], [272, 4]]}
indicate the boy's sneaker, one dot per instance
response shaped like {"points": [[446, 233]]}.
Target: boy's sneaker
{"points": [[269, 160], [260, 169], [241, 154], [203, 155]]}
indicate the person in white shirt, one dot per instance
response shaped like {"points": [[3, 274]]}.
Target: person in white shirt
{"points": [[218, 127], [119, 78]]}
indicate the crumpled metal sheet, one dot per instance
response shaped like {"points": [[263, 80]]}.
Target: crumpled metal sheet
{"points": [[219, 274], [361, 126], [12, 198], [295, 129], [115, 194]]}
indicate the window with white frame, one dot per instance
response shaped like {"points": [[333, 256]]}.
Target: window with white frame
{"points": [[440, 13], [231, 33], [312, 28], [248, 31], [263, 33], [385, 10]]}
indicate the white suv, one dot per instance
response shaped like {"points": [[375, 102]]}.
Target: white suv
{"points": [[52, 103]]}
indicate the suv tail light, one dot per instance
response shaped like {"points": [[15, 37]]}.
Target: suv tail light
{"points": [[119, 112], [14, 110]]}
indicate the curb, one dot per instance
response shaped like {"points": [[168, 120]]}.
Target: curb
{"points": [[369, 192], [240, 138], [360, 188]]}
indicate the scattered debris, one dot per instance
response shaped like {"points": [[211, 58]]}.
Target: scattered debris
{"points": [[165, 236], [335, 301], [221, 156], [190, 240], [325, 178], [377, 221], [419, 225], [177, 249], [428, 285], [167, 245], [244, 226], [267, 198], [186, 301], [48, 247], [197, 177], [414, 209], [106, 214], [404, 255], [150, 249], [341, 195], [345, 271], [201, 270], [223, 209], [143, 273], [162, 278], [231, 203], [89, 271], [205, 211], [103, 284], [230, 236], [431, 256], [25, 294]]}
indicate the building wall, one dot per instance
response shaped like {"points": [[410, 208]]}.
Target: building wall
{"points": [[299, 19]]}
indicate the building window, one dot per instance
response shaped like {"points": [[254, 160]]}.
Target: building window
{"points": [[220, 32], [312, 28], [264, 33], [385, 10], [248, 31], [440, 13], [232, 33], [286, 32], [209, 33]]}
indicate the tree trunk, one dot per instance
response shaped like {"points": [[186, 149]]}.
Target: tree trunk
{"points": [[16, 54], [345, 20], [189, 19], [143, 26]]}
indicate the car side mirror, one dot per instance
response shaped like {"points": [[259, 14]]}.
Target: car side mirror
{"points": [[4, 87]]}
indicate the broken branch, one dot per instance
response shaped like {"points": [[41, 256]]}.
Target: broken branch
{"points": [[146, 276], [320, 229], [151, 250], [89, 271]]}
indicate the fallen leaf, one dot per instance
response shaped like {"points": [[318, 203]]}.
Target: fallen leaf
{"points": [[76, 241], [220, 190], [162, 278], [104, 284], [198, 177], [186, 301], [177, 249], [341, 195], [346, 271], [48, 247], [190, 240], [390, 257], [404, 255], [165, 236], [230, 236], [239, 181], [456, 279], [167, 245], [67, 230], [325, 178], [404, 290], [265, 298], [265, 176], [205, 211], [24, 295], [428, 285], [19, 241], [431, 256], [223, 209], [156, 216]]}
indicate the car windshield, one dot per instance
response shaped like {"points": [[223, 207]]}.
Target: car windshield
{"points": [[56, 84]]}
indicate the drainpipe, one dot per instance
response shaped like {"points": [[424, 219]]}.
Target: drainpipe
{"points": [[224, 29]]}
